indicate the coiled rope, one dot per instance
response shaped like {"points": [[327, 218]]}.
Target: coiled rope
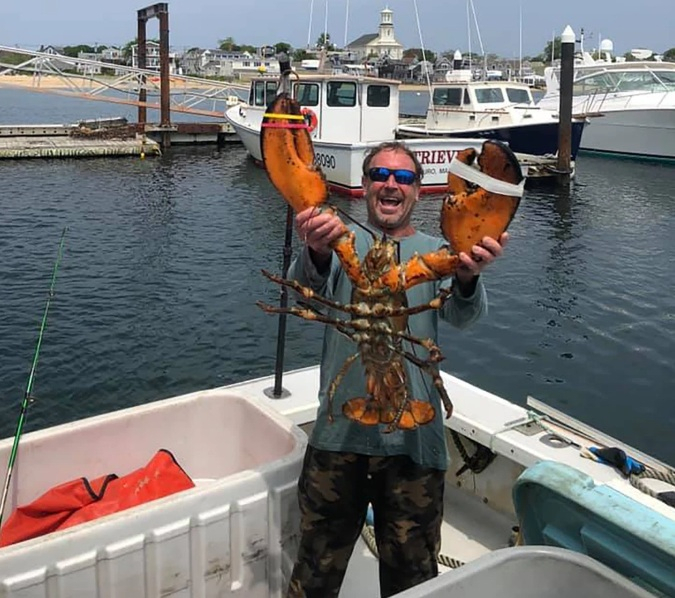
{"points": [[368, 535], [636, 480]]}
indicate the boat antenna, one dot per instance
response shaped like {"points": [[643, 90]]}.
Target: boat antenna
{"points": [[424, 57], [468, 30], [346, 22], [520, 41], [309, 29], [480, 39], [28, 397]]}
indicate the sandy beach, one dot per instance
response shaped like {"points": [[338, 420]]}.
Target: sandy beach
{"points": [[41, 81]]}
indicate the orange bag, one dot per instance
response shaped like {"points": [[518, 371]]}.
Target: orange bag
{"points": [[83, 500]]}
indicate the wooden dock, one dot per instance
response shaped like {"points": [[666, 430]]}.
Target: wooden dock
{"points": [[107, 138], [72, 141]]}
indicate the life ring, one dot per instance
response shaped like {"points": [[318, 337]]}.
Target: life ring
{"points": [[310, 118]]}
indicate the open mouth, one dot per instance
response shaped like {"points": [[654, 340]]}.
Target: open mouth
{"points": [[389, 203]]}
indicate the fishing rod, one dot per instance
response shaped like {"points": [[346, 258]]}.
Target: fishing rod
{"points": [[27, 397]]}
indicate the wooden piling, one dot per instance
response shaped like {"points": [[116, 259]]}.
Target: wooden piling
{"points": [[564, 165]]}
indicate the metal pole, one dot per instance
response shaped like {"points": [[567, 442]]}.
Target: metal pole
{"points": [[278, 391], [164, 78], [142, 63], [565, 113]]}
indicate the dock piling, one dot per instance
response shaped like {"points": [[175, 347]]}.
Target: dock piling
{"points": [[564, 165]]}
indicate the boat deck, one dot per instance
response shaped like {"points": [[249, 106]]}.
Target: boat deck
{"points": [[470, 530]]}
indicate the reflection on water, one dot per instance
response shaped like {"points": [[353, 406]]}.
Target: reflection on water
{"points": [[157, 289]]}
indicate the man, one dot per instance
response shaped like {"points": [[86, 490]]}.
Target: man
{"points": [[349, 465]]}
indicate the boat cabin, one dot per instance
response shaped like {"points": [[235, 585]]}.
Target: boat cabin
{"points": [[465, 104], [339, 108]]}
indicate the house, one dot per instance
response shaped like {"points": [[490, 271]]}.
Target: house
{"points": [[88, 68], [227, 64], [57, 65], [152, 57], [380, 44]]}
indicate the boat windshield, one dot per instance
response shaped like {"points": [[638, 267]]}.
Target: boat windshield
{"points": [[447, 96], [626, 81], [489, 95], [307, 94], [519, 96], [262, 93]]}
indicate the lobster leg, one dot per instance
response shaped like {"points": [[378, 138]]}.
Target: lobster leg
{"points": [[381, 311], [333, 386], [431, 369]]}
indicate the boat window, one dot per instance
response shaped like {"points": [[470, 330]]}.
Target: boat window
{"points": [[270, 90], [518, 96], [667, 78], [341, 93], [378, 96], [489, 95], [307, 94], [447, 96], [262, 93], [602, 83]]}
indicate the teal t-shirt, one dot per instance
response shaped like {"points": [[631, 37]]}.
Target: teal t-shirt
{"points": [[425, 445]]}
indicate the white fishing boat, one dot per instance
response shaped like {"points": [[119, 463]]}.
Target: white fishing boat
{"points": [[631, 104], [347, 116], [490, 109], [235, 533]]}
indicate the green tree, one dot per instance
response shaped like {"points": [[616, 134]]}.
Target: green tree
{"points": [[417, 53], [280, 47], [669, 55], [324, 42], [554, 46], [301, 54], [228, 45], [73, 51], [11, 58]]}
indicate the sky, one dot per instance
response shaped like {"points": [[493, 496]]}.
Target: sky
{"points": [[437, 25]]}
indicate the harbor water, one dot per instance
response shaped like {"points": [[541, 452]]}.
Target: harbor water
{"points": [[156, 291]]}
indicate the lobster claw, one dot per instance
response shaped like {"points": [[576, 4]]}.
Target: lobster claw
{"points": [[288, 155], [481, 203]]}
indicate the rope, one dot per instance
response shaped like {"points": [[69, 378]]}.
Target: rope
{"points": [[368, 535], [654, 474]]}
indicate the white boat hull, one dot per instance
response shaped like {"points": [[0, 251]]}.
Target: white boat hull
{"points": [[341, 162], [645, 133]]}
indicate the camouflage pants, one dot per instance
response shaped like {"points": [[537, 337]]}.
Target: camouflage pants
{"points": [[334, 491]]}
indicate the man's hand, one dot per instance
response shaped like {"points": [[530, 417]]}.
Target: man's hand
{"points": [[482, 254], [318, 230]]}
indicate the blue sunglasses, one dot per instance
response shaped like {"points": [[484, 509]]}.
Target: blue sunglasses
{"points": [[381, 174]]}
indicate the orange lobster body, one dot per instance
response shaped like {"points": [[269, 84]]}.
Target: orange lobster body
{"points": [[379, 311]]}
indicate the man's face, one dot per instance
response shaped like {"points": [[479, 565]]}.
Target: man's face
{"points": [[390, 204]]}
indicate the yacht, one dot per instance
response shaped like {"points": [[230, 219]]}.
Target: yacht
{"points": [[491, 109], [631, 105]]}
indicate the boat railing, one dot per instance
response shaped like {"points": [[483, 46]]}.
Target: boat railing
{"points": [[593, 103]]}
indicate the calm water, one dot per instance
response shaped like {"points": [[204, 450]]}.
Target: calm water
{"points": [[155, 295]]}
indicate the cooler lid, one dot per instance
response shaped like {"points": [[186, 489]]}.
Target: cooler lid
{"points": [[558, 505]]}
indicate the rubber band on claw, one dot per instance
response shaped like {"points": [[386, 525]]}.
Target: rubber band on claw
{"points": [[284, 116]]}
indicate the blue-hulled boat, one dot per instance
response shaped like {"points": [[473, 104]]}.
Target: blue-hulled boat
{"points": [[502, 110]]}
